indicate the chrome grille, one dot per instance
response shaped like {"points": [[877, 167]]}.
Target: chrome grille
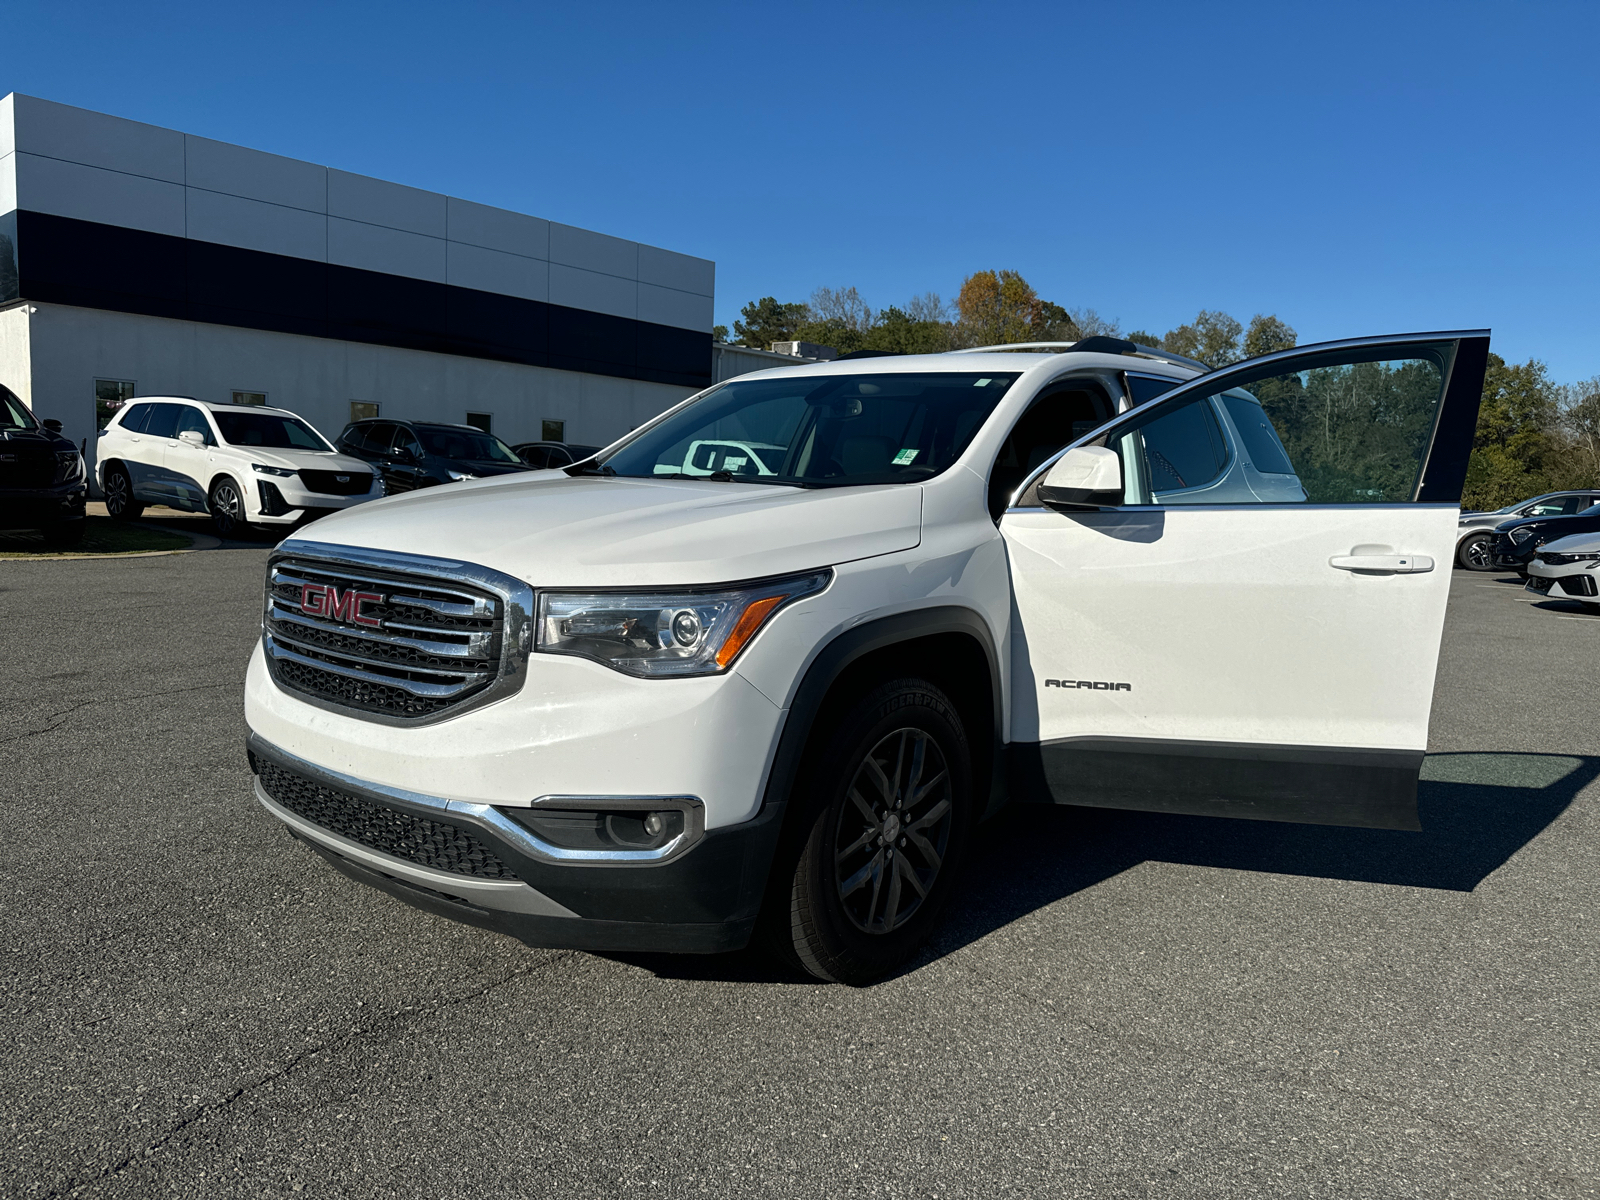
{"points": [[360, 633]]}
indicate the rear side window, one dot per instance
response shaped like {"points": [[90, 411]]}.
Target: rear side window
{"points": [[133, 421], [1184, 448], [1148, 387], [1260, 439], [163, 420]]}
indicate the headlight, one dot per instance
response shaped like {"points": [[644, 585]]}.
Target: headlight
{"points": [[459, 475], [657, 634], [263, 469], [1521, 535]]}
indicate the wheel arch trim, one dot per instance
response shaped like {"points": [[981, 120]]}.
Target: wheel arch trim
{"points": [[850, 646]]}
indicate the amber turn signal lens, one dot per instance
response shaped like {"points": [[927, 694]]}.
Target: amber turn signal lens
{"points": [[749, 621]]}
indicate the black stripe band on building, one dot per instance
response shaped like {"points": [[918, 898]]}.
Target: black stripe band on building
{"points": [[63, 260]]}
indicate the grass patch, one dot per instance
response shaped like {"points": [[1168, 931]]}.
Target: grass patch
{"points": [[101, 535]]}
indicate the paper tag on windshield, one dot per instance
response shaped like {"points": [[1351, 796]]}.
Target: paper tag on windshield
{"points": [[905, 458], [734, 462]]}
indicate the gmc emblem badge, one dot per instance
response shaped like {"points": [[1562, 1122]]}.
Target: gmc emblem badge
{"points": [[320, 600]]}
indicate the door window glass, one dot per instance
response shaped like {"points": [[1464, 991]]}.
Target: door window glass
{"points": [[195, 420], [1342, 433], [1148, 387], [406, 440], [163, 420], [536, 456], [1051, 422]]}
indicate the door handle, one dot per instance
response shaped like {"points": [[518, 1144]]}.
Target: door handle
{"points": [[1386, 564]]}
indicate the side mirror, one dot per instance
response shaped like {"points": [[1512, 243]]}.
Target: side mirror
{"points": [[192, 437], [1084, 477], [53, 425]]}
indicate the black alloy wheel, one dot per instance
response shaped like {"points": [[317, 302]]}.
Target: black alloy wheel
{"points": [[1476, 553], [887, 808], [227, 508], [120, 504]]}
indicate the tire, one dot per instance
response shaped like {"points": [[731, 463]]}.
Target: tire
{"points": [[67, 533], [226, 503], [1475, 553], [857, 908], [120, 504]]}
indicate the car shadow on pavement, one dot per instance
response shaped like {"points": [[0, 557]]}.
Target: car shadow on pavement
{"points": [[1477, 809]]}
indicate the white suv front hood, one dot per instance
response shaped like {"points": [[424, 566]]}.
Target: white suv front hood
{"points": [[297, 460], [553, 530]]}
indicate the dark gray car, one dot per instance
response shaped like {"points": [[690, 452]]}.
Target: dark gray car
{"points": [[419, 454], [1475, 534]]}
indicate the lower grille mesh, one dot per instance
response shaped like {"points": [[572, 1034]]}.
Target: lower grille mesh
{"points": [[376, 826]]}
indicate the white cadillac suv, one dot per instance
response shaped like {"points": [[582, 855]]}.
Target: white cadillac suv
{"points": [[630, 705], [244, 464]]}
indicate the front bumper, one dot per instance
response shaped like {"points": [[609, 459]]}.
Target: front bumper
{"points": [[473, 863], [35, 508], [282, 500], [1564, 581]]}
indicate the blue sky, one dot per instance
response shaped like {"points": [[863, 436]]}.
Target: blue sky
{"points": [[1353, 168]]}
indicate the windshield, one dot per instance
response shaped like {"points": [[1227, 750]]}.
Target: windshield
{"points": [[449, 442], [14, 413], [273, 431], [818, 430]]}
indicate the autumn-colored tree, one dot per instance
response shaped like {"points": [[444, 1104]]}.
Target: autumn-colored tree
{"points": [[997, 307]]}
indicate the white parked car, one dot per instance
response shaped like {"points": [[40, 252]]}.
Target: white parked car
{"points": [[619, 708], [244, 464], [1568, 569]]}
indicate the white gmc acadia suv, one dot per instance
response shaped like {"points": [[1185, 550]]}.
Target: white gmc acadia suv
{"points": [[244, 464], [629, 705]]}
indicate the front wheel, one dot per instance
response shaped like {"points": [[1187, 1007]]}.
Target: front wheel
{"points": [[227, 508], [891, 810], [120, 504], [1476, 552]]}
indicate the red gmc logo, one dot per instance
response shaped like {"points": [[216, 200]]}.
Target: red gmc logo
{"points": [[320, 600]]}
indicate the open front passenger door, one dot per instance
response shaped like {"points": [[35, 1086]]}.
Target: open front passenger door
{"points": [[1229, 600]]}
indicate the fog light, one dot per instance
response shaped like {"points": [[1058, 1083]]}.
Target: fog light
{"points": [[654, 824]]}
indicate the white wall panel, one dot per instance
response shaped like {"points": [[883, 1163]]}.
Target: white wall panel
{"points": [[682, 272], [497, 228], [580, 248], [235, 221], [97, 140], [67, 189], [593, 291], [8, 183], [220, 167], [495, 271], [362, 198], [374, 248], [666, 306], [315, 377], [8, 108]]}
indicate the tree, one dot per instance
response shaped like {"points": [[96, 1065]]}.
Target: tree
{"points": [[1267, 335], [766, 321], [719, 333], [901, 331], [1213, 338], [1513, 450], [841, 306], [1052, 323], [1140, 338], [1091, 324], [996, 307]]}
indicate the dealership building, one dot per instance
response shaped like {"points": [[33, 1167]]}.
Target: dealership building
{"points": [[138, 261]]}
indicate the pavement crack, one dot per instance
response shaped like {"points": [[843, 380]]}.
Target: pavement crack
{"points": [[59, 718], [198, 1112]]}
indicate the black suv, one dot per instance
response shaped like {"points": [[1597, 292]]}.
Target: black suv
{"points": [[544, 455], [418, 454], [1516, 542], [42, 480]]}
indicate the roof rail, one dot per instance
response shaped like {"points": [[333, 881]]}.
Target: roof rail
{"points": [[1101, 345]]}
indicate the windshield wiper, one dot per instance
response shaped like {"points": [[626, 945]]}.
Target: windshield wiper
{"points": [[590, 468]]}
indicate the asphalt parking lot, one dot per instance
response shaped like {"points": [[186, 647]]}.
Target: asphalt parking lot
{"points": [[1127, 1005]]}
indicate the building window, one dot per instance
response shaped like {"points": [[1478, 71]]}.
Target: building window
{"points": [[480, 421], [249, 397], [552, 431], [109, 397], [363, 410]]}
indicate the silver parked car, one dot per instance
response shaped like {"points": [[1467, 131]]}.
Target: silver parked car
{"points": [[1475, 534]]}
